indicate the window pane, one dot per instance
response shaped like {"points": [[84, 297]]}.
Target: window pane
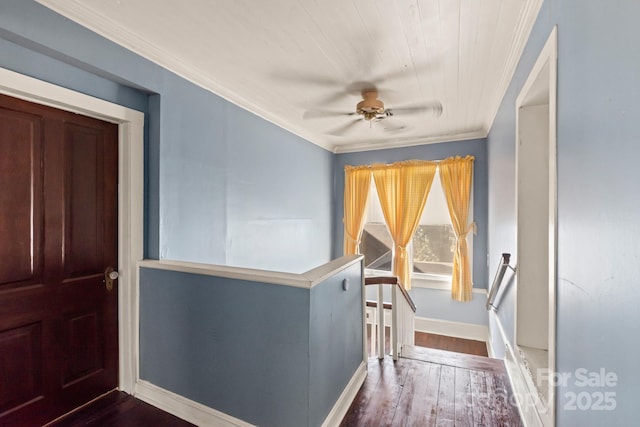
{"points": [[433, 249], [434, 241], [376, 244], [433, 244]]}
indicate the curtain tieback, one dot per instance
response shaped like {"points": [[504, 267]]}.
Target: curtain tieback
{"points": [[351, 239], [401, 252], [462, 239], [470, 227]]}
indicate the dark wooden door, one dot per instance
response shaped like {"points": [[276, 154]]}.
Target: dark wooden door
{"points": [[58, 234]]}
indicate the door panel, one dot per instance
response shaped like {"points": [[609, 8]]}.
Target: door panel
{"points": [[82, 344], [58, 234], [84, 252], [20, 204], [25, 372]]}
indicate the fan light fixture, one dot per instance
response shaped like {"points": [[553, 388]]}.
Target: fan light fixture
{"points": [[372, 110], [370, 107]]}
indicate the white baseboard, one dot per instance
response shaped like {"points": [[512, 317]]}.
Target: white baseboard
{"points": [[524, 398], [343, 403], [490, 351], [184, 408], [469, 331], [202, 415]]}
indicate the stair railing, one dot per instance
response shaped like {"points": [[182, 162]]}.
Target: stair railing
{"points": [[402, 315]]}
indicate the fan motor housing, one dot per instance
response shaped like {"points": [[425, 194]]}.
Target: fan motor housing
{"points": [[370, 106]]}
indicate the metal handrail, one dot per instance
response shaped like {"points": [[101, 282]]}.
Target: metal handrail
{"points": [[495, 286]]}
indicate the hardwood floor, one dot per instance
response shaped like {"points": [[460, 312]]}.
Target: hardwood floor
{"points": [[434, 387], [121, 410], [441, 342], [426, 387], [451, 383]]}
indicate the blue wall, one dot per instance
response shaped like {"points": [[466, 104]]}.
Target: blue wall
{"points": [[598, 79], [227, 193], [598, 209], [218, 189], [266, 354], [438, 304], [335, 337], [217, 177], [238, 347], [432, 303]]}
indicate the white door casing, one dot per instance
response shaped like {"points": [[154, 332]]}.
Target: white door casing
{"points": [[130, 197], [536, 235]]}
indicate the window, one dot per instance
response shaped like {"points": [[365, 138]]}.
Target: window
{"points": [[433, 244]]}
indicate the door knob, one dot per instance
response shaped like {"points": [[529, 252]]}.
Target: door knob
{"points": [[109, 276]]}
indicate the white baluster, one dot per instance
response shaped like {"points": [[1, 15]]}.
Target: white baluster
{"points": [[394, 322], [380, 322]]}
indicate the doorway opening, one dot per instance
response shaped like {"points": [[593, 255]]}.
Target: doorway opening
{"points": [[536, 230]]}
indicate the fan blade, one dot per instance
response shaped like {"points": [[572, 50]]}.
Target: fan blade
{"points": [[355, 90], [435, 108], [393, 127], [388, 125], [340, 131], [332, 98], [316, 114]]}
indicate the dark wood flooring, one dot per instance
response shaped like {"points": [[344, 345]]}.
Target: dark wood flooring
{"points": [[425, 387], [429, 387], [119, 409], [441, 342]]}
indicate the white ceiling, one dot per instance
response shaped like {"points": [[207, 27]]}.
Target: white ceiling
{"points": [[291, 60]]}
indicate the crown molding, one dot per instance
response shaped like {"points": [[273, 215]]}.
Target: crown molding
{"points": [[370, 146], [78, 12], [527, 19]]}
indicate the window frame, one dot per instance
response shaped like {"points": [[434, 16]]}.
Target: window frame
{"points": [[427, 280]]}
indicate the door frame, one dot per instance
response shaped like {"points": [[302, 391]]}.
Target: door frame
{"points": [[541, 83], [130, 198]]}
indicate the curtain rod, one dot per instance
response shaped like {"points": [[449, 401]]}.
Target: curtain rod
{"points": [[411, 160]]}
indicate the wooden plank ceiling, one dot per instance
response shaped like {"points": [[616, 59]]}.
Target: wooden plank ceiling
{"points": [[302, 64]]}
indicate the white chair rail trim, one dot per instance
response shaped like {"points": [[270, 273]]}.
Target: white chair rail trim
{"points": [[305, 280]]}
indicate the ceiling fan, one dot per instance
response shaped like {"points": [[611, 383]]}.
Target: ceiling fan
{"points": [[371, 109]]}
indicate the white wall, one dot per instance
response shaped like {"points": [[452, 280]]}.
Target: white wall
{"points": [[532, 256]]}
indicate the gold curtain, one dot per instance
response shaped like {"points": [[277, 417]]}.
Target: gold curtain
{"points": [[402, 189], [456, 174], [357, 181]]}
